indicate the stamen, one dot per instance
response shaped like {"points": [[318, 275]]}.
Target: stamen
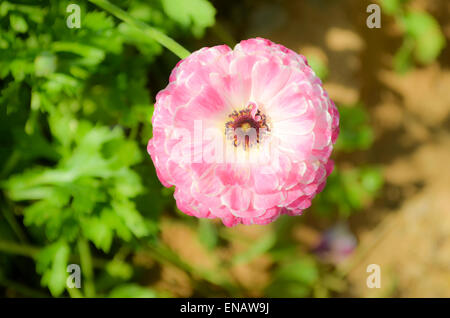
{"points": [[245, 124]]}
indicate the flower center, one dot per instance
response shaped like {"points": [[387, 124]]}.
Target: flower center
{"points": [[246, 127]]}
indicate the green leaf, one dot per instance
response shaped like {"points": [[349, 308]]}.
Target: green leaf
{"points": [[18, 23], [98, 21], [131, 217], [371, 179], [132, 291], [40, 213], [20, 68], [283, 289], [349, 190], [295, 278], [403, 57], [356, 133], [115, 222], [86, 193], [59, 83], [199, 14], [45, 64], [392, 6], [119, 269], [302, 271], [145, 44], [100, 32], [318, 66], [52, 265], [260, 247], [92, 55], [207, 233], [427, 33], [98, 232]]}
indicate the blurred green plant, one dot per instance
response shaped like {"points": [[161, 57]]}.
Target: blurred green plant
{"points": [[350, 189], [318, 65], [294, 278], [75, 114], [423, 38], [356, 132]]}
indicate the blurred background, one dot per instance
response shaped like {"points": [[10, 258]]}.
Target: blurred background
{"points": [[77, 186]]}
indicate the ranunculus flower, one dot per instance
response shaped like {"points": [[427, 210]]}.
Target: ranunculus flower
{"points": [[244, 135]]}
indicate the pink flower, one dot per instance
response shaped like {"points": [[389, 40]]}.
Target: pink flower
{"points": [[244, 135]]}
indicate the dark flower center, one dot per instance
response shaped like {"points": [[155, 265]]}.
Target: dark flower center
{"points": [[246, 127]]}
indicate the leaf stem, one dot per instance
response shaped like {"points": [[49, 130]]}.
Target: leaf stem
{"points": [[74, 293], [18, 249], [86, 267], [13, 248], [154, 33], [15, 226], [164, 255], [10, 163]]}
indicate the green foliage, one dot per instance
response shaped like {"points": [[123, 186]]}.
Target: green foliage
{"points": [[132, 291], [349, 190], [52, 265], [393, 6], [355, 133], [75, 120], [256, 249], [89, 189], [207, 234], [423, 37], [427, 35], [194, 14], [119, 269], [318, 66], [295, 278]]}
